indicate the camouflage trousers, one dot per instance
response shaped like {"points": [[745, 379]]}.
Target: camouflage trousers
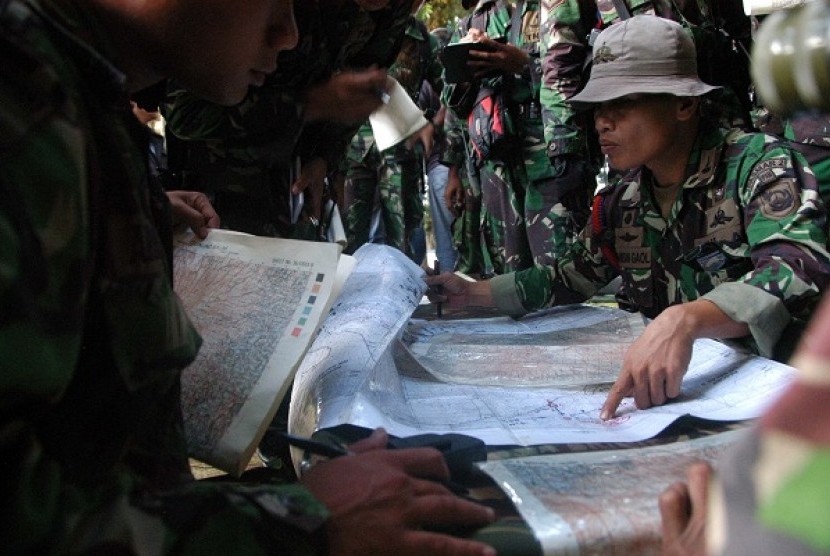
{"points": [[397, 183], [527, 223], [530, 216], [467, 234]]}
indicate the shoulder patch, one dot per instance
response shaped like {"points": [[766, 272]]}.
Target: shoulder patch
{"points": [[766, 172], [780, 200]]}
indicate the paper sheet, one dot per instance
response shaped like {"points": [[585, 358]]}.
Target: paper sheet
{"points": [[601, 502], [257, 303], [364, 369]]}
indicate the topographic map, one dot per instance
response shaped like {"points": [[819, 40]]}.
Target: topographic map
{"points": [[544, 377], [601, 502], [256, 309]]}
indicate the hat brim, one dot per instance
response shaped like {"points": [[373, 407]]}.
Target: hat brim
{"points": [[602, 89]]}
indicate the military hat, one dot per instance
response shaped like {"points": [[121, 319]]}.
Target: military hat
{"points": [[642, 54]]}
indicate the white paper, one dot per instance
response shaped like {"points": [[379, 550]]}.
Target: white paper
{"points": [[398, 119], [257, 303], [363, 369], [762, 7]]}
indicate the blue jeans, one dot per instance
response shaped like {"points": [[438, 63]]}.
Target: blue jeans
{"points": [[442, 218]]}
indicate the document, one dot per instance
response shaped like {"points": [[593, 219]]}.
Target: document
{"points": [[541, 379], [257, 303], [601, 502]]}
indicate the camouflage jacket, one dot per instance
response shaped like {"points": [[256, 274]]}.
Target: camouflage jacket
{"points": [[417, 62], [522, 89], [267, 129], [565, 51], [748, 232], [92, 336]]}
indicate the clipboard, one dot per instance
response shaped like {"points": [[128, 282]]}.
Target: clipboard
{"points": [[455, 57]]}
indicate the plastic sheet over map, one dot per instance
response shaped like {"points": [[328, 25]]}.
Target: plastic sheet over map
{"points": [[543, 378], [601, 502]]}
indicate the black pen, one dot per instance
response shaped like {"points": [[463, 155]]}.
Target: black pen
{"points": [[436, 270], [316, 447]]}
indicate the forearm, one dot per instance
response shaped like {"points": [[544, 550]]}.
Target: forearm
{"points": [[703, 319]]}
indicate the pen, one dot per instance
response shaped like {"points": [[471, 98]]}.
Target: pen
{"points": [[436, 269], [316, 447]]}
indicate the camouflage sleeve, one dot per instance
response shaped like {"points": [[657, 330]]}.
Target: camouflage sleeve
{"points": [[454, 137], [435, 69], [459, 97], [575, 277], [564, 50], [71, 482], [118, 512], [786, 226], [265, 112]]}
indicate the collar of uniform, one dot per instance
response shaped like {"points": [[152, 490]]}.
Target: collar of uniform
{"points": [[704, 157]]}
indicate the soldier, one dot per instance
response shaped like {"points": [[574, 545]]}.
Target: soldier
{"points": [[721, 31], [93, 338], [396, 174], [715, 234], [524, 211], [245, 157]]}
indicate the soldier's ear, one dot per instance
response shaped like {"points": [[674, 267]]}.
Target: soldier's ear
{"points": [[687, 107]]}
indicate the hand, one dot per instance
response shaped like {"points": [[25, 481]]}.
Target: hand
{"points": [[348, 97], [653, 366], [312, 179], [454, 193], [381, 502], [193, 209], [458, 292], [378, 440], [424, 136], [683, 509], [506, 58]]}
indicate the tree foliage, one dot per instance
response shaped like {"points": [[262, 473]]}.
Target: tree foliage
{"points": [[441, 13]]}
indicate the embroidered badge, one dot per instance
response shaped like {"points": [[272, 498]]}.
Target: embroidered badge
{"points": [[780, 200], [603, 55]]}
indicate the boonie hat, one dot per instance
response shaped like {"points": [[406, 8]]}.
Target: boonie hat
{"points": [[642, 54]]}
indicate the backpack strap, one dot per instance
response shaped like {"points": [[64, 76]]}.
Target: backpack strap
{"points": [[601, 233]]}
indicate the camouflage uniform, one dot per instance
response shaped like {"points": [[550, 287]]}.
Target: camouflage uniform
{"points": [[397, 173], [243, 155], [92, 336], [748, 232], [523, 209], [467, 228], [565, 49]]}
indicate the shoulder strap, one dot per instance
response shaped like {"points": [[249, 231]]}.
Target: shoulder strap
{"points": [[602, 234], [516, 22]]}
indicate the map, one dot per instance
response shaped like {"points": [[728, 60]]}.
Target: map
{"points": [[577, 348], [372, 366], [256, 304], [601, 502]]}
